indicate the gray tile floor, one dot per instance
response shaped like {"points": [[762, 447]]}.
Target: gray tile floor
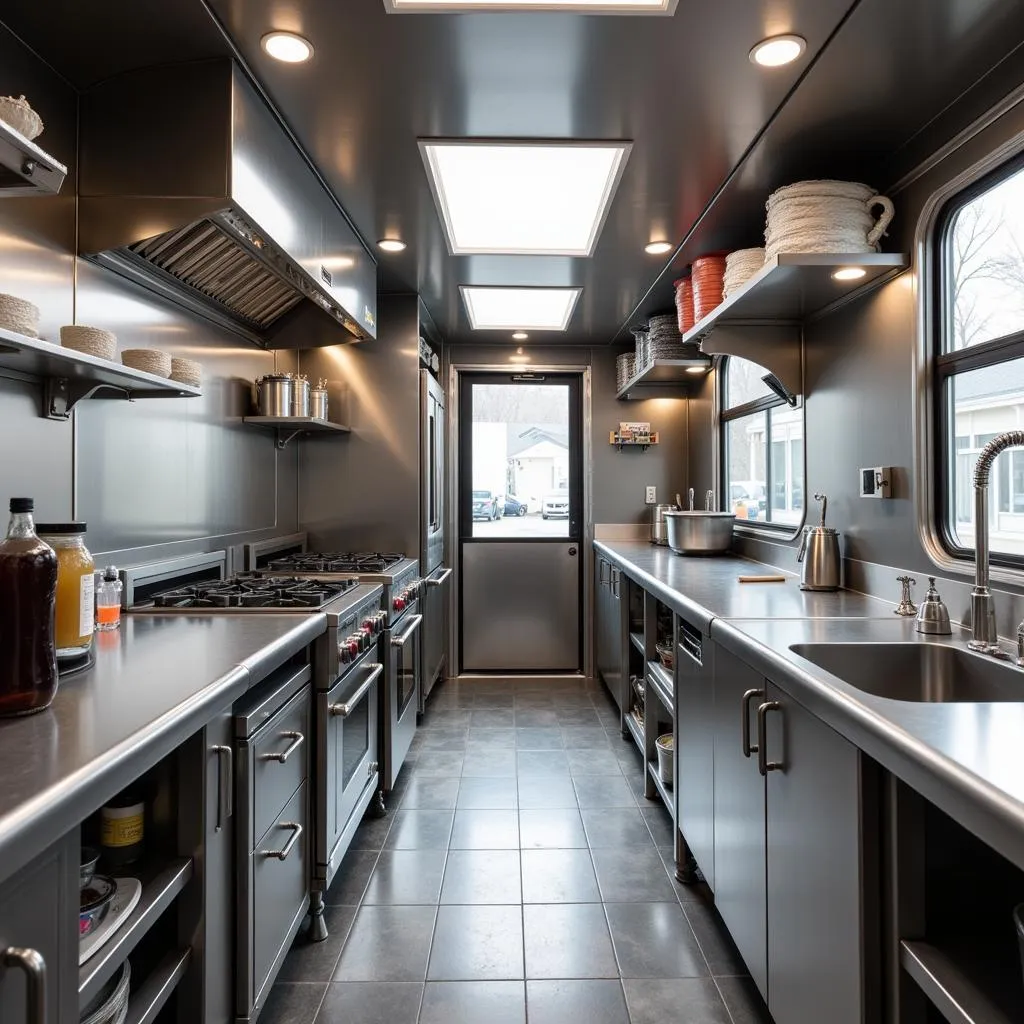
{"points": [[519, 875]]}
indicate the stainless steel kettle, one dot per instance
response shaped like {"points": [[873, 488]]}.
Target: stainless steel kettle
{"points": [[819, 558]]}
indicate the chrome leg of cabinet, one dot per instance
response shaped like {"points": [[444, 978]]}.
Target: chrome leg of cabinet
{"points": [[317, 925]]}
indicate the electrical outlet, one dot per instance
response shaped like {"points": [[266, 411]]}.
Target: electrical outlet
{"points": [[876, 482], [652, 496]]}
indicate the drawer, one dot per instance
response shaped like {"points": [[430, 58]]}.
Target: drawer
{"points": [[280, 761], [280, 890]]}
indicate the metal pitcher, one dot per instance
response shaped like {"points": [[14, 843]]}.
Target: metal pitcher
{"points": [[819, 558]]}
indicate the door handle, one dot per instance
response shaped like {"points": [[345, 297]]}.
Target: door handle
{"points": [[297, 739], [745, 721], [616, 577], [401, 641], [225, 784], [764, 766], [443, 578], [601, 578], [282, 854], [31, 962], [346, 709]]}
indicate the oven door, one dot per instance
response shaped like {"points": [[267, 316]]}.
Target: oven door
{"points": [[403, 686], [348, 769]]}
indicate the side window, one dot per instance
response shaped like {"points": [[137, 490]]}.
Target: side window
{"points": [[979, 359], [762, 449]]}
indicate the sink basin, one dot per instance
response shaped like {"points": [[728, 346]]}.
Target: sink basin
{"points": [[924, 672]]}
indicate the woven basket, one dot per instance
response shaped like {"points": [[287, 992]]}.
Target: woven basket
{"points": [[186, 371], [19, 315], [149, 360], [16, 112], [708, 278], [684, 303], [625, 368], [740, 267], [93, 341], [825, 216], [665, 339]]}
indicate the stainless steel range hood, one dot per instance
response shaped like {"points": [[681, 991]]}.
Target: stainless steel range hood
{"points": [[190, 187]]}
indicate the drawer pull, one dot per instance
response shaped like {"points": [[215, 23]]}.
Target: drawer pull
{"points": [[282, 854], [748, 749], [297, 739], [34, 966], [346, 709]]}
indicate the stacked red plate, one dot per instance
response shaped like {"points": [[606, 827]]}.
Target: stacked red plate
{"points": [[707, 279], [684, 303]]}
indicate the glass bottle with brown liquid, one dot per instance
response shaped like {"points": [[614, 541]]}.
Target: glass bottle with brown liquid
{"points": [[28, 592]]}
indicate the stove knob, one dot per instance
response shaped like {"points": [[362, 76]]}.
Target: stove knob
{"points": [[399, 603]]}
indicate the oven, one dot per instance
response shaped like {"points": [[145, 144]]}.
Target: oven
{"points": [[402, 645]]}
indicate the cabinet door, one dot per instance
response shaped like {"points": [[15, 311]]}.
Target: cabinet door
{"points": [[695, 754], [815, 953], [616, 633], [602, 589], [39, 930], [739, 829]]}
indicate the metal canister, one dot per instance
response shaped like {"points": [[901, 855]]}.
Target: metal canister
{"points": [[275, 394], [318, 401], [300, 396], [659, 527]]}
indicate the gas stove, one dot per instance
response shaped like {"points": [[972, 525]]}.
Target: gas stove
{"points": [[253, 592], [303, 563]]}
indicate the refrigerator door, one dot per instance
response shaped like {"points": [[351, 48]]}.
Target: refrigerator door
{"points": [[431, 473], [435, 604]]}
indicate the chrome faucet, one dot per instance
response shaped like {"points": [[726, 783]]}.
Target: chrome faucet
{"points": [[983, 613]]}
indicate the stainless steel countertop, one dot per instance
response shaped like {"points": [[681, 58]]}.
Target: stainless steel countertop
{"points": [[156, 681], [702, 589], [966, 758]]}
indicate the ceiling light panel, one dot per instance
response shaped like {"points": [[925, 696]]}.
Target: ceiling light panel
{"points": [[519, 309], [523, 198], [573, 6]]}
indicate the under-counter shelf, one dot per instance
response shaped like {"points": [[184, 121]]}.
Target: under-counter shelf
{"points": [[636, 730], [160, 886], [69, 377], [25, 168], [146, 1002], [663, 791], [638, 642], [293, 426], [662, 684]]}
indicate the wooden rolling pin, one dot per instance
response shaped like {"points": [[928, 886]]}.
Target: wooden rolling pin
{"points": [[761, 579]]}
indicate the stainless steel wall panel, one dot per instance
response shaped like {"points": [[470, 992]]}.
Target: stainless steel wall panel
{"points": [[520, 606]]}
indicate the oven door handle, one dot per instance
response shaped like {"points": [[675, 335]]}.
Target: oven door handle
{"points": [[401, 641], [443, 578], [346, 709]]}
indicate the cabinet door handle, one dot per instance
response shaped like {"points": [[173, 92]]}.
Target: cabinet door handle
{"points": [[282, 854], [34, 966], [297, 739], [745, 721], [764, 766], [225, 784], [601, 578], [616, 576]]}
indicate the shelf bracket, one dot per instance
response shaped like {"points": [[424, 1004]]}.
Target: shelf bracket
{"points": [[60, 396], [283, 442], [777, 347]]}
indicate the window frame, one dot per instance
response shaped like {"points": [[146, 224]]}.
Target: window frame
{"points": [[727, 415], [945, 364]]}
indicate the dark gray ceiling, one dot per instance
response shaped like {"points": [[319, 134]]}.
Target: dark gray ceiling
{"points": [[870, 97]]}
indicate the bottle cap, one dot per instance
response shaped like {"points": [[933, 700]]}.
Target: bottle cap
{"points": [[59, 528], [22, 504], [110, 573]]}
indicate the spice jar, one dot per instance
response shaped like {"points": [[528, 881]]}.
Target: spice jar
{"points": [[108, 600], [123, 827], [75, 614]]}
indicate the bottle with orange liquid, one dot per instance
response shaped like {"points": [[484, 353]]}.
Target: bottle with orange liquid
{"points": [[108, 601]]}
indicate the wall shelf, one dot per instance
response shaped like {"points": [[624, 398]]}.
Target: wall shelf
{"points": [[763, 320], [617, 441], [69, 377], [664, 377], [290, 427], [25, 169]]}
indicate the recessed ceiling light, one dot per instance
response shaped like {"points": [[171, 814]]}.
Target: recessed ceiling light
{"points": [[519, 197], [658, 248], [391, 245], [778, 50], [502, 309], [520, 336], [579, 6], [849, 274], [287, 46]]}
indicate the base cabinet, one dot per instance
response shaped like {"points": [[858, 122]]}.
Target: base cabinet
{"points": [[39, 938], [610, 627], [792, 870]]}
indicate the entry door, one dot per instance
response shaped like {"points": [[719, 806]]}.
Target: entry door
{"points": [[520, 522]]}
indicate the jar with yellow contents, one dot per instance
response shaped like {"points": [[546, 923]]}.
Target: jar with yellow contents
{"points": [[75, 613]]}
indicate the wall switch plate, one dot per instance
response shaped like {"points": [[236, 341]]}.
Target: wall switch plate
{"points": [[652, 496], [876, 482]]}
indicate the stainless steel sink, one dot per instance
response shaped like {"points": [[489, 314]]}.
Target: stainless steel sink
{"points": [[925, 672]]}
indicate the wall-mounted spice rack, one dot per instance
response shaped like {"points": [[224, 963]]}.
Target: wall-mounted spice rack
{"points": [[643, 441]]}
